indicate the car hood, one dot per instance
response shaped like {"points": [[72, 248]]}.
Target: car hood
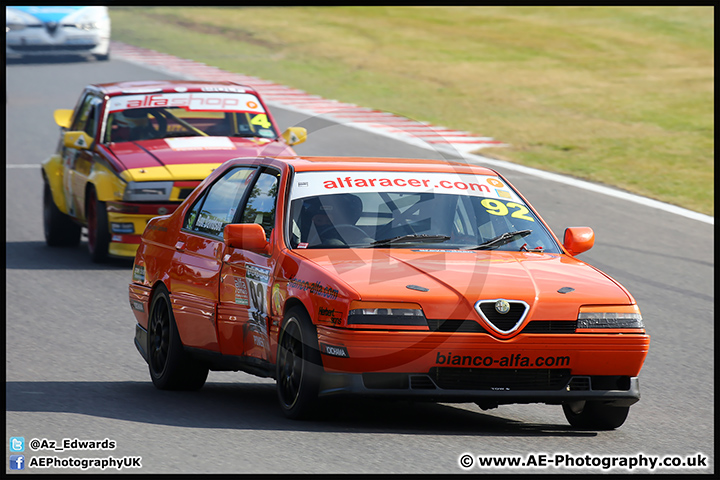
{"points": [[455, 280], [188, 158]]}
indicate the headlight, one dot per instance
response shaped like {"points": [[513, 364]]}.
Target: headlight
{"points": [[17, 20], [89, 18], [382, 313], [620, 316], [148, 191]]}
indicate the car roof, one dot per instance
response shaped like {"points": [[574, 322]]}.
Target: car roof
{"points": [[334, 163], [167, 86]]}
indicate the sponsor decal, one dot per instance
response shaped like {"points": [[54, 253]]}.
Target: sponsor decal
{"points": [[258, 279], [512, 360], [324, 183], [222, 102], [333, 350], [223, 89], [136, 305], [331, 315], [181, 144], [241, 292], [139, 273], [315, 288]]}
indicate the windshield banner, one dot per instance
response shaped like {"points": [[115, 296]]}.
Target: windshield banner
{"points": [[222, 102], [307, 184]]}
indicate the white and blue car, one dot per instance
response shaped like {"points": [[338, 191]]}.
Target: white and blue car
{"points": [[51, 30]]}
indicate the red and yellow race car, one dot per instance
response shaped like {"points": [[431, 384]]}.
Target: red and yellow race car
{"points": [[130, 151], [416, 279]]}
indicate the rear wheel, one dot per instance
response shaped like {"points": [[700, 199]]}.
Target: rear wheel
{"points": [[98, 231], [299, 365], [589, 415], [60, 230], [171, 368]]}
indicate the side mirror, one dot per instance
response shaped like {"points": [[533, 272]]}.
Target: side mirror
{"points": [[248, 236], [63, 117], [294, 135], [578, 239], [80, 140]]}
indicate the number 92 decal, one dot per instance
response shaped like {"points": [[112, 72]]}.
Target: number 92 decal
{"points": [[496, 207]]}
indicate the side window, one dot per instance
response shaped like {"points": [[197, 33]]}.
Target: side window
{"points": [[217, 207], [86, 116], [260, 206]]}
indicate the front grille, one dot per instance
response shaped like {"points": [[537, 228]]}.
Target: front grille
{"points": [[52, 48], [471, 326], [503, 322], [437, 325], [550, 326], [500, 378]]}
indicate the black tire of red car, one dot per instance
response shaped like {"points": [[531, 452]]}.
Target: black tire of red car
{"points": [[595, 415], [171, 368], [60, 229], [98, 230], [299, 366]]}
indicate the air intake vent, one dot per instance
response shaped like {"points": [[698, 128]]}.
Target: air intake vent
{"points": [[501, 379], [579, 384], [421, 382]]}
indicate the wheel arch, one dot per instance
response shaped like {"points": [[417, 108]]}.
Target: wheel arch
{"points": [[53, 173]]}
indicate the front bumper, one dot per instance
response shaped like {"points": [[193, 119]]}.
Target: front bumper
{"points": [[64, 41], [461, 367], [424, 386], [126, 228]]}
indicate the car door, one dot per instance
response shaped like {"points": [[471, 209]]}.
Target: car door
{"points": [[244, 314], [197, 261], [78, 161]]}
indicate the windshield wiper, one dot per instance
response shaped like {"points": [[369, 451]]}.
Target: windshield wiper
{"points": [[501, 240], [419, 238]]}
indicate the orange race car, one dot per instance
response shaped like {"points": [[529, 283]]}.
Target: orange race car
{"points": [[130, 151], [415, 279]]}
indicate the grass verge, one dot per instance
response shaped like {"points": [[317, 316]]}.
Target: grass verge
{"points": [[617, 95]]}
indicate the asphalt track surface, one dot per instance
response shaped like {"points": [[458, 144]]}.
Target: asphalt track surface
{"points": [[72, 371]]}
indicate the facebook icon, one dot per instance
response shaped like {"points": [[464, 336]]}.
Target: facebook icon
{"points": [[17, 462]]}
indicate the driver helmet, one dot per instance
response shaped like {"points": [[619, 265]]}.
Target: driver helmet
{"points": [[131, 118]]}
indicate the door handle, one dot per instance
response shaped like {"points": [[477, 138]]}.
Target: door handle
{"points": [[180, 246]]}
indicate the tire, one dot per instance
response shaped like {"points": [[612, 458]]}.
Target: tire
{"points": [[103, 58], [60, 229], [98, 230], [299, 366], [171, 368], [594, 415]]}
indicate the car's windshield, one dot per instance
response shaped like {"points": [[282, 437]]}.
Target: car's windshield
{"points": [[411, 210], [195, 114]]}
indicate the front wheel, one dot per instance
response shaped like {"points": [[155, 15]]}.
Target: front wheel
{"points": [[98, 230], [299, 366], [60, 230], [171, 368], [589, 415]]}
